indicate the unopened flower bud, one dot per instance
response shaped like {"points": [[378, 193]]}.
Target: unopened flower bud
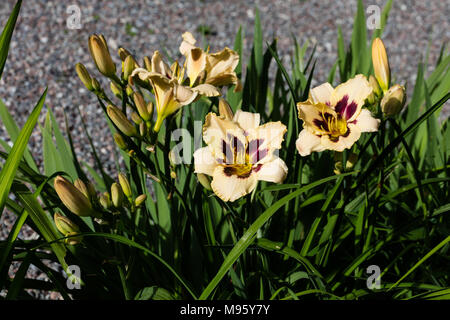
{"points": [[128, 67], [136, 118], [225, 109], [129, 90], [125, 184], [142, 129], [84, 76], [119, 141], [123, 53], [80, 185], [393, 100], [148, 63], [173, 174], [204, 180], [96, 85], [100, 53], [140, 200], [116, 195], [105, 200], [141, 106], [72, 198], [374, 84], [64, 224], [121, 121], [380, 63], [116, 90]]}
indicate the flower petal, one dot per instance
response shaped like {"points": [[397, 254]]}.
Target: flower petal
{"points": [[232, 187], [356, 89], [273, 171], [308, 142], [159, 66], [207, 90], [217, 131], [187, 44], [366, 122], [269, 137], [204, 161], [343, 142], [183, 95], [321, 93], [247, 120], [313, 116], [195, 63]]}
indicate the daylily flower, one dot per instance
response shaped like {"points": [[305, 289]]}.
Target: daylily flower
{"points": [[213, 68], [170, 94], [333, 119], [240, 152]]}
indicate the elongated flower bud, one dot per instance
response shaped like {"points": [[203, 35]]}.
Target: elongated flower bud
{"points": [[105, 200], [141, 106], [121, 121], [84, 76], [123, 53], [116, 195], [140, 200], [67, 228], [119, 141], [136, 118], [116, 90], [380, 63], [394, 100], [100, 53], [80, 185], [148, 64], [64, 224], [128, 67], [73, 198], [225, 109], [96, 85], [125, 184], [374, 84]]}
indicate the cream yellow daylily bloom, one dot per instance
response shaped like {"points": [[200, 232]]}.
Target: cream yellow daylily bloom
{"points": [[170, 94], [239, 153], [216, 69], [333, 119]]}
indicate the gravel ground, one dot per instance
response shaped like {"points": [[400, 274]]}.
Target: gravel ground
{"points": [[44, 50]]}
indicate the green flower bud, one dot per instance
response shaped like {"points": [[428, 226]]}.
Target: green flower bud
{"points": [[129, 90], [128, 67], [136, 118], [140, 200], [116, 195], [84, 76], [96, 85], [105, 200], [121, 121], [116, 90], [64, 224], [125, 184], [119, 141], [141, 106]]}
